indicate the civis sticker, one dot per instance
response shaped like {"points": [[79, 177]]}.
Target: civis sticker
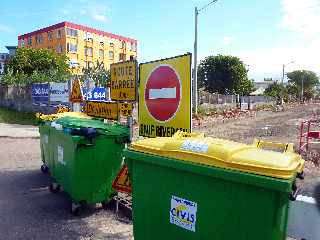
{"points": [[183, 213], [194, 146], [60, 155], [45, 138]]}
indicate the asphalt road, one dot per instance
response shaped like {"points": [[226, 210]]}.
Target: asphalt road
{"points": [[27, 208]]}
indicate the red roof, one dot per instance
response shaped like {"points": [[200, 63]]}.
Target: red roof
{"points": [[79, 27]]}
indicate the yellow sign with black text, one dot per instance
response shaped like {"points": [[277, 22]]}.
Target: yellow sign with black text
{"points": [[165, 96], [76, 95], [123, 81], [107, 110], [125, 109]]}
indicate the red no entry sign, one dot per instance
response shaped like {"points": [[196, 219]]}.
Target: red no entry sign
{"points": [[163, 93]]}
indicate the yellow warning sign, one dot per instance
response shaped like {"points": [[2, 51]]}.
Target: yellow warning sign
{"points": [[122, 182], [76, 92], [123, 81], [125, 109], [108, 110]]}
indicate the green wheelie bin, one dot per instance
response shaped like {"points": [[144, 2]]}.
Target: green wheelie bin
{"points": [[45, 122], [44, 130], [87, 155], [195, 187]]}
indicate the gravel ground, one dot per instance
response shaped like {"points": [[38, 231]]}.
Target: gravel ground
{"points": [[271, 126], [29, 211]]}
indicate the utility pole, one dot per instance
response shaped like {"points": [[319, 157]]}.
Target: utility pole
{"points": [[282, 80], [302, 78], [195, 53]]}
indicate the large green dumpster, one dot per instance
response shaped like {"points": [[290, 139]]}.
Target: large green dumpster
{"points": [[45, 122], [44, 130], [87, 155], [191, 187]]}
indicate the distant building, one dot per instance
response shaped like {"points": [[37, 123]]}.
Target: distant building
{"points": [[3, 59], [83, 45], [263, 84], [12, 50]]}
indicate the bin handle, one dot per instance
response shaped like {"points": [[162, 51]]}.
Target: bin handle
{"points": [[287, 147], [180, 134], [84, 145]]}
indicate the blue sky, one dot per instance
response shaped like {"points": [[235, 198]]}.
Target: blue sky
{"points": [[264, 34]]}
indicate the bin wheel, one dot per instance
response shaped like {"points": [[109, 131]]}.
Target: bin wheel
{"points": [[110, 204], [76, 209], [54, 187], [44, 168]]}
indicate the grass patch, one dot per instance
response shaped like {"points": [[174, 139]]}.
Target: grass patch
{"points": [[11, 116]]}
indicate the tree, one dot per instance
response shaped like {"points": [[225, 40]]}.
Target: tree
{"points": [[28, 60], [98, 73], [274, 90], [30, 65], [309, 80], [224, 74]]}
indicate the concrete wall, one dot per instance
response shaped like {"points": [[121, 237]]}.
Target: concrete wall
{"points": [[19, 98]]}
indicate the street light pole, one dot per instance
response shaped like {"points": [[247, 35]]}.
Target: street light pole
{"points": [[282, 73], [302, 88], [195, 53]]}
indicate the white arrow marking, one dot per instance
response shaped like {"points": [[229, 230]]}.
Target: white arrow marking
{"points": [[162, 93]]}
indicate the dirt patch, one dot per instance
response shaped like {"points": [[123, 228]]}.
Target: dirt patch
{"points": [[281, 126]]}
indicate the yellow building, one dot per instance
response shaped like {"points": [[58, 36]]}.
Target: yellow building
{"points": [[83, 45]]}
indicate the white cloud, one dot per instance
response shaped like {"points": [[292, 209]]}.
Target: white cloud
{"points": [[5, 28], [227, 40], [100, 18], [269, 61], [301, 16], [92, 9]]}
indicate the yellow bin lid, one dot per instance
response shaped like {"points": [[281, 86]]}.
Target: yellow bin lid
{"points": [[196, 148]]}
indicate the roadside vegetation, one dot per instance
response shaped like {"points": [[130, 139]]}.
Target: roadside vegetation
{"points": [[14, 117]]}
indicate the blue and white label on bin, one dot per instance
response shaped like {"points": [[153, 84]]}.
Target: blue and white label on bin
{"points": [[183, 213]]}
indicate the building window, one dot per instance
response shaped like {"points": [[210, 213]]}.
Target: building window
{"points": [[72, 32], [88, 64], [59, 48], [50, 35], [39, 39], [29, 41], [122, 57], [111, 44], [111, 55], [123, 45], [22, 43], [133, 47], [101, 53], [88, 51], [88, 36], [132, 57], [72, 47], [59, 33], [101, 40]]}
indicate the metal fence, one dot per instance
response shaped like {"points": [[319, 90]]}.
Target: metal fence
{"points": [[215, 98]]}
